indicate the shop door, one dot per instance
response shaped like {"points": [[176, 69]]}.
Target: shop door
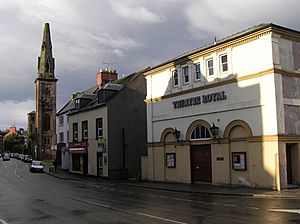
{"points": [[100, 164], [85, 163], [201, 163], [289, 163]]}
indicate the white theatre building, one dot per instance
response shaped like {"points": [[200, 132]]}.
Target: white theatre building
{"points": [[228, 113]]}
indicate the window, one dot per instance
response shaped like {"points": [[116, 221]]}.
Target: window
{"points": [[77, 104], [99, 128], [61, 137], [197, 71], [210, 67], [175, 78], [46, 122], [75, 132], [61, 120], [224, 63], [200, 133], [84, 126], [185, 74]]}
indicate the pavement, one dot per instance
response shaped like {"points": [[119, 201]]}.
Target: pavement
{"points": [[200, 188]]}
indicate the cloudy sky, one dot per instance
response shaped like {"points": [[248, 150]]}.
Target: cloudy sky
{"points": [[129, 34]]}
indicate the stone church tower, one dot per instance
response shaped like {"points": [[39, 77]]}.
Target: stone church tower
{"points": [[45, 114]]}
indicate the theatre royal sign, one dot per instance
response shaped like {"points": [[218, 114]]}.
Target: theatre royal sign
{"points": [[206, 98]]}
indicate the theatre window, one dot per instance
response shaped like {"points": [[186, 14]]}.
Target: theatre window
{"points": [[239, 161], [171, 160], [200, 132]]}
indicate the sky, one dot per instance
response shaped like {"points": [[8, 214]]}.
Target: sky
{"points": [[127, 35]]}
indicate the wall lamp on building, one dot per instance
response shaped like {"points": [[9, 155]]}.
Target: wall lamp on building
{"points": [[177, 134], [215, 131]]}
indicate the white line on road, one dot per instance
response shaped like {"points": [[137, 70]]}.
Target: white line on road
{"points": [[160, 218], [3, 222]]}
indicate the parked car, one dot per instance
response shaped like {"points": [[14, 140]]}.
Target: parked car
{"points": [[6, 157], [27, 159], [36, 166]]}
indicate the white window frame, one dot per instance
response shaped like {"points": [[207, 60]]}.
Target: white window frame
{"points": [[76, 135], [175, 71], [85, 134], [197, 71], [61, 137], [223, 64], [185, 74], [210, 68], [61, 120], [99, 129], [204, 137]]}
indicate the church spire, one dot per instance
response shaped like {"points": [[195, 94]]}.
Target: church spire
{"points": [[46, 61]]}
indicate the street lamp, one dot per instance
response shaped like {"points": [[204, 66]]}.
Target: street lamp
{"points": [[177, 134], [215, 131]]}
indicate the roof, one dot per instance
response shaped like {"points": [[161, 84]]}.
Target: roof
{"points": [[230, 38], [70, 105], [94, 100]]}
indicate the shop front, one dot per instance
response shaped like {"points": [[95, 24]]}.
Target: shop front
{"points": [[78, 152]]}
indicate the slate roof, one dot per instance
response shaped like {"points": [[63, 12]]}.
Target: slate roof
{"points": [[94, 97]]}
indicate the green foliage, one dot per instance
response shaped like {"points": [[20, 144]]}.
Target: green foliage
{"points": [[14, 143]]}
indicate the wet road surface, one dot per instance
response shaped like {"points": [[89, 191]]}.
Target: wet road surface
{"points": [[39, 198]]}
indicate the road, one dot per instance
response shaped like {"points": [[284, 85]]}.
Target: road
{"points": [[40, 198]]}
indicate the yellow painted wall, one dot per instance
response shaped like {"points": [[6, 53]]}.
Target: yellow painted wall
{"points": [[220, 168], [181, 173]]}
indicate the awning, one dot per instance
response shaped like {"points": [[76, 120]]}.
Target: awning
{"points": [[77, 150]]}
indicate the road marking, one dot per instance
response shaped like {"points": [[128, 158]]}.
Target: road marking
{"points": [[3, 222], [297, 211], [160, 218]]}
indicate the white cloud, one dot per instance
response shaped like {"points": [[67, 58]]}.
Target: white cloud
{"points": [[119, 53], [15, 113], [135, 12]]}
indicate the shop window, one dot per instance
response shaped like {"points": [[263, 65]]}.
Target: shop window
{"points": [[200, 132], [175, 78], [239, 161]]}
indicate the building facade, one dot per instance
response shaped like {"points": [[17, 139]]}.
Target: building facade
{"points": [[45, 113], [227, 113], [106, 140]]}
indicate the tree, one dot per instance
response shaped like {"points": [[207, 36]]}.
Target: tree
{"points": [[14, 143]]}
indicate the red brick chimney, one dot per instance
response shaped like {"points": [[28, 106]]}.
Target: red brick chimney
{"points": [[105, 76]]}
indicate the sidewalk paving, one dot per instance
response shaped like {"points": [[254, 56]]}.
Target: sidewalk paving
{"points": [[200, 188]]}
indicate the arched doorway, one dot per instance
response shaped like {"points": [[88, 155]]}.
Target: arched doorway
{"points": [[238, 133], [201, 164]]}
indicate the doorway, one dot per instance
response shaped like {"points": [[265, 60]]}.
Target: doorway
{"points": [[99, 164], [201, 163]]}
